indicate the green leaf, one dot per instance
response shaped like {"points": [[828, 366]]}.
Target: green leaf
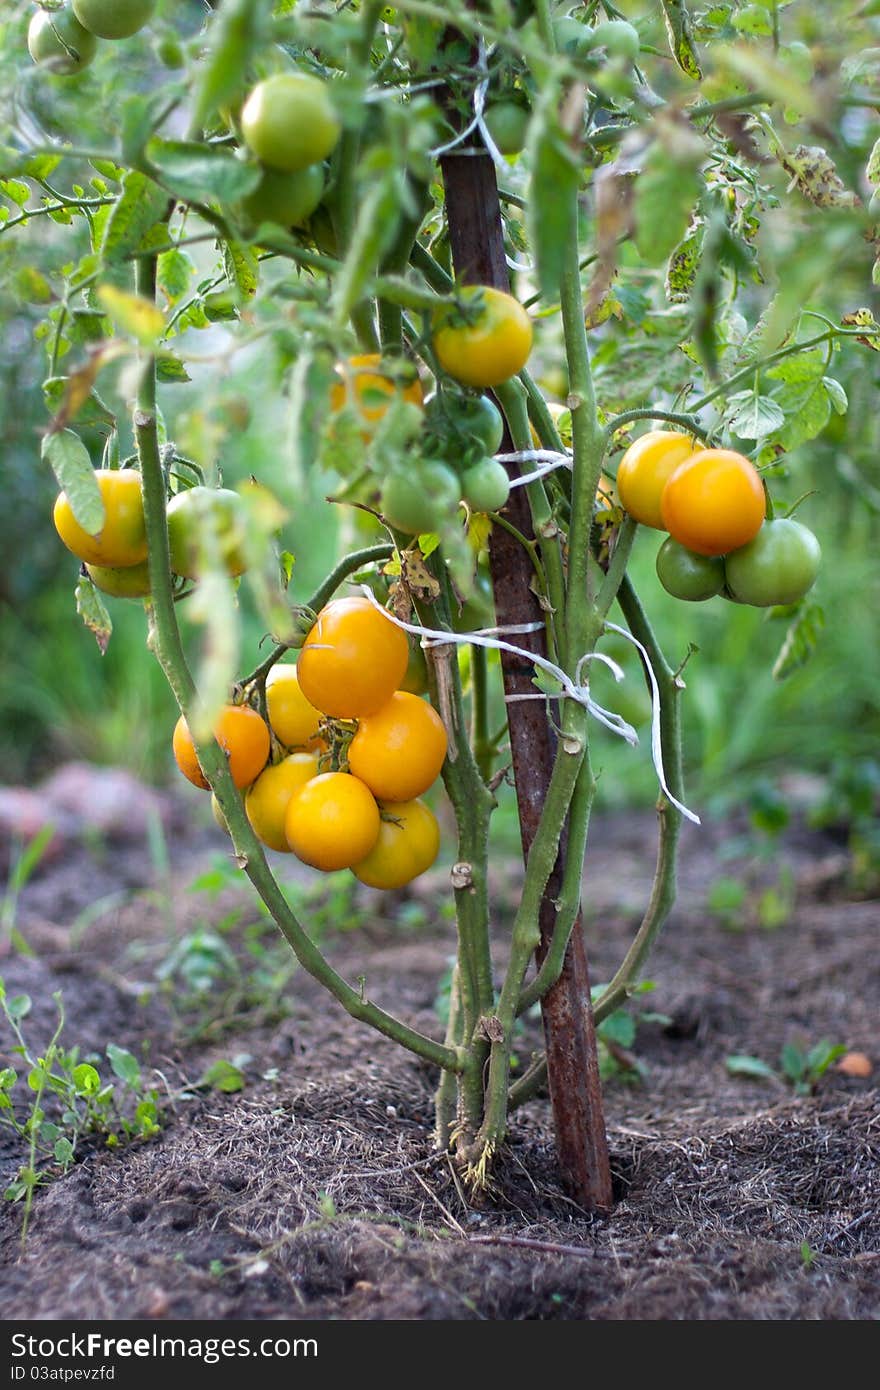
{"points": [[872, 168], [92, 609], [69, 460], [379, 214], [8, 1078], [124, 1065], [64, 1151], [821, 1056], [93, 411], [665, 193], [681, 271], [793, 1062], [740, 1064], [619, 1027], [170, 369], [134, 314], [18, 1007], [800, 641], [86, 1079], [141, 203], [223, 1076], [555, 177], [836, 394], [680, 35], [236, 34], [174, 272], [242, 267], [752, 416], [196, 172], [755, 20]]}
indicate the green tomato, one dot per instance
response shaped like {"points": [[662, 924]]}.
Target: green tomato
{"points": [[289, 121], [59, 42], [617, 37], [485, 486], [170, 52], [568, 34], [421, 500], [132, 582], [194, 517], [114, 19], [779, 566], [465, 423], [288, 199], [508, 123], [687, 575]]}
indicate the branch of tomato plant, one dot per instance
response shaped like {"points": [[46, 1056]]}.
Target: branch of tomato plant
{"points": [[165, 641], [685, 421], [760, 364], [473, 805]]}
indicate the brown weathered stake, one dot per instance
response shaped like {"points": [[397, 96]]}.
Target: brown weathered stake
{"points": [[476, 236]]}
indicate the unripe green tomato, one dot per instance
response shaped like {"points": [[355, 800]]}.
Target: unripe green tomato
{"points": [[132, 582], [421, 500], [617, 37], [59, 42], [485, 486], [568, 34], [289, 121], [114, 19], [288, 199], [170, 52], [778, 566], [687, 575], [508, 123], [465, 421], [199, 510]]}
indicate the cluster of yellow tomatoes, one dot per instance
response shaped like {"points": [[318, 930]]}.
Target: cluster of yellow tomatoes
{"points": [[355, 752], [713, 505]]}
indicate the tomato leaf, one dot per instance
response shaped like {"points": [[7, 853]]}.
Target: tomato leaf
{"points": [[170, 369], [140, 204], [555, 177], [69, 460], [91, 411], [800, 641], [134, 314], [752, 416], [197, 172], [680, 35], [242, 268], [90, 607], [236, 33]]}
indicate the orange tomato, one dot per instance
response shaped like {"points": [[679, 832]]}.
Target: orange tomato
{"points": [[398, 751], [361, 383], [332, 822], [122, 540], [644, 471], [409, 838], [293, 720], [267, 800], [242, 735], [489, 348], [353, 659], [714, 502]]}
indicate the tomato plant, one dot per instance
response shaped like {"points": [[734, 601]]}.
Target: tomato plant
{"points": [[778, 566], [313, 196], [713, 502], [121, 540], [486, 341]]}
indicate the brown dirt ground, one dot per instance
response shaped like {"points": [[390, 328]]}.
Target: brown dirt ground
{"points": [[314, 1193]]}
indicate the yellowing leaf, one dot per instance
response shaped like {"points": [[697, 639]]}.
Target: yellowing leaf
{"points": [[133, 314]]}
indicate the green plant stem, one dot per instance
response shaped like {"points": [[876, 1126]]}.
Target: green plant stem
{"points": [[791, 350], [663, 889], [686, 421], [168, 648], [483, 751], [445, 1100], [569, 900], [617, 568]]}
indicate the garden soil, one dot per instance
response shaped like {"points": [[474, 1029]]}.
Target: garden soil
{"points": [[315, 1192]]}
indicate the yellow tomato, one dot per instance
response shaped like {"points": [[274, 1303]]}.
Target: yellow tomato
{"points": [[332, 822], [361, 383], [714, 502], [398, 751], [645, 469], [242, 735], [293, 720], [353, 659], [409, 838], [122, 540], [489, 348], [267, 800]]}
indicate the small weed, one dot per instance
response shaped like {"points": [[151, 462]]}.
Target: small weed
{"points": [[802, 1068], [808, 1255], [24, 860], [82, 1103]]}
